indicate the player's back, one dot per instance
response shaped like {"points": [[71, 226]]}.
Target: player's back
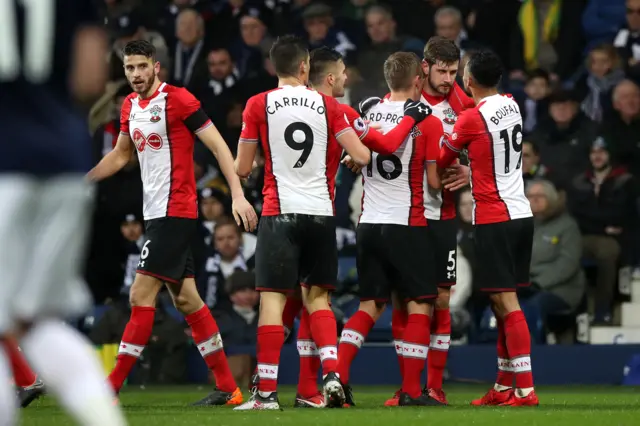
{"points": [[38, 117], [392, 190], [301, 150], [495, 157]]}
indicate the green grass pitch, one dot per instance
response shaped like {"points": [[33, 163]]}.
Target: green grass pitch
{"points": [[579, 405]]}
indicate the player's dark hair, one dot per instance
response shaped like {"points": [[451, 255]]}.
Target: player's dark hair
{"points": [[286, 54], [486, 68], [440, 49], [400, 70], [139, 47], [321, 60]]}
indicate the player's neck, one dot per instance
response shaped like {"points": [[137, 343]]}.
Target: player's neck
{"points": [[151, 90], [324, 89], [426, 88], [480, 94], [289, 81], [400, 95]]}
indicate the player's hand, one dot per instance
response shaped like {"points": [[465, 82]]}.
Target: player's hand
{"points": [[416, 110], [347, 161], [455, 177], [244, 214], [365, 105]]}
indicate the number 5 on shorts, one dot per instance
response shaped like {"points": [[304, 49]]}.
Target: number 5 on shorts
{"points": [[451, 260]]}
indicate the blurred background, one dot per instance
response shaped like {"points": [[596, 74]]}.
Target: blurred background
{"points": [[572, 65]]}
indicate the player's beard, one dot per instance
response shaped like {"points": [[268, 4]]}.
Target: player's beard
{"points": [[144, 86], [442, 89]]}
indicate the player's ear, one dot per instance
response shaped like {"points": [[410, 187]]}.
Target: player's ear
{"points": [[156, 68], [425, 67]]}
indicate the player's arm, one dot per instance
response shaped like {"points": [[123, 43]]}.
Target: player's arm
{"points": [[120, 155], [248, 142], [199, 123], [431, 134], [346, 136]]}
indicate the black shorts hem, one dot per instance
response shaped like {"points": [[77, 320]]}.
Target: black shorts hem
{"points": [[498, 290], [446, 285], [413, 299], [157, 276], [523, 284], [275, 290]]}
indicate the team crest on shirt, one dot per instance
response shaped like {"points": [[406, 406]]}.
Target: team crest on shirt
{"points": [[450, 116], [155, 114], [415, 132]]}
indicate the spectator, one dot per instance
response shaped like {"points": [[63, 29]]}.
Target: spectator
{"points": [[225, 257], [601, 21], [352, 13], [627, 40], [602, 199], [321, 31], [126, 28], [106, 134], [534, 105], [217, 94], [448, 21], [532, 170], [604, 73], [548, 39], [248, 50], [557, 279], [190, 55], [132, 232], [214, 206], [621, 129], [368, 72], [565, 140], [238, 324], [465, 226]]}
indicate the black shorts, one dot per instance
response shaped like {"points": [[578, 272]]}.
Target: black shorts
{"points": [[294, 249], [395, 258], [503, 252], [166, 254], [445, 244]]}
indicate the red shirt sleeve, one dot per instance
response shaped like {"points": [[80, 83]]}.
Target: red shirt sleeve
{"points": [[459, 100], [468, 125], [190, 111], [432, 135], [337, 119], [251, 120], [125, 111]]}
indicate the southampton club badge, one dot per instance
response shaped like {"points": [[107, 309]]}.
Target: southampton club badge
{"points": [[155, 114], [450, 116]]}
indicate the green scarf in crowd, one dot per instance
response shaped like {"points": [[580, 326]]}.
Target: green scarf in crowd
{"points": [[528, 19]]}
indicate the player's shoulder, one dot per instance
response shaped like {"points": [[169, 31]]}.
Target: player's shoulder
{"points": [[431, 123], [349, 111], [176, 92]]}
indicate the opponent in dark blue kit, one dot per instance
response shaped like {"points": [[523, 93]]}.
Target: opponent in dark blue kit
{"points": [[52, 56]]}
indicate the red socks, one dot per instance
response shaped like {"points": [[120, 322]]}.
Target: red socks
{"points": [[135, 337], [205, 333], [398, 325], [414, 352], [438, 348], [505, 373], [270, 341], [519, 346], [325, 334], [22, 373], [309, 359], [289, 314], [353, 335]]}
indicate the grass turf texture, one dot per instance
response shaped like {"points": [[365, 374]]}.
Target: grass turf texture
{"points": [[579, 405]]}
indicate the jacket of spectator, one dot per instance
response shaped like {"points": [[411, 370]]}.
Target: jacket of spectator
{"points": [[556, 256], [601, 20], [613, 206]]}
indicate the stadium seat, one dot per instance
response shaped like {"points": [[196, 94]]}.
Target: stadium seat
{"points": [[92, 318], [488, 331]]}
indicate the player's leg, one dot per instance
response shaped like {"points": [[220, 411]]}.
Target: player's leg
{"points": [[52, 287], [277, 257], [414, 263], [16, 203], [318, 272], [307, 395], [399, 318], [443, 233], [373, 291], [518, 337], [29, 386]]}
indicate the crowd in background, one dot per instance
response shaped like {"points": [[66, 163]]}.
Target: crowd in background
{"points": [[572, 65]]}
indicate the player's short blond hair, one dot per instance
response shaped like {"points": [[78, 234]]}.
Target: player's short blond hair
{"points": [[400, 69]]}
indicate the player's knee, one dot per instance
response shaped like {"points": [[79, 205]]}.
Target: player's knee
{"points": [[505, 303], [316, 299], [143, 291], [373, 308], [271, 308], [444, 296]]}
